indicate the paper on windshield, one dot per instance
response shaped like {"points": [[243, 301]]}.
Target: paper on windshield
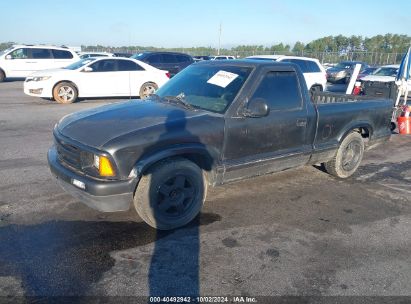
{"points": [[222, 78]]}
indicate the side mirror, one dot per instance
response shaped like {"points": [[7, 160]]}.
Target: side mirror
{"points": [[88, 69], [8, 57], [256, 108]]}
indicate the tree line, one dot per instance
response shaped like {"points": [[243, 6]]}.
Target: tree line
{"points": [[380, 49]]}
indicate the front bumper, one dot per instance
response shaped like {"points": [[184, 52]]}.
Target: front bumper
{"points": [[38, 89], [105, 196], [335, 78]]}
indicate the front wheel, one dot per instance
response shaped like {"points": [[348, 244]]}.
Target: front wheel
{"points": [[65, 92], [147, 89], [2, 76], [170, 194], [348, 156]]}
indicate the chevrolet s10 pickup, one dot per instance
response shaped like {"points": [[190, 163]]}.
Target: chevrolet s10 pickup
{"points": [[213, 123]]}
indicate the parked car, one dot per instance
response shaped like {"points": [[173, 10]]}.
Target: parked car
{"points": [[366, 72], [95, 54], [314, 73], [216, 122], [343, 70], [21, 60], [222, 57], [384, 74], [96, 77], [172, 62], [201, 58]]}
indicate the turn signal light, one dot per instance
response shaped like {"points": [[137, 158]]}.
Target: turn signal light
{"points": [[105, 167]]}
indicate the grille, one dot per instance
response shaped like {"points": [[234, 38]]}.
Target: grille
{"points": [[68, 154]]}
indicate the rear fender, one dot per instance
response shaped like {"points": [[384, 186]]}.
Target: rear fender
{"points": [[353, 126]]}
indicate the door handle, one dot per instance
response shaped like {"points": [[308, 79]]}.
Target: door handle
{"points": [[301, 122]]}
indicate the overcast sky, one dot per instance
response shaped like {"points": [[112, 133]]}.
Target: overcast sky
{"points": [[186, 23]]}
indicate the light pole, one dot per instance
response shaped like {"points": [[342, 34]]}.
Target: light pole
{"points": [[219, 41]]}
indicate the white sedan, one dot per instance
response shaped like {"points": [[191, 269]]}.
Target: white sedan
{"points": [[96, 77]]}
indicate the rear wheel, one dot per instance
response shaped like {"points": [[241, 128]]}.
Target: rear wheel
{"points": [[147, 89], [170, 194], [348, 156], [65, 92]]}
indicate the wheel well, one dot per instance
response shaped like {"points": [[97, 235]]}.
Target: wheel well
{"points": [[2, 71], [68, 81], [363, 131], [204, 162]]}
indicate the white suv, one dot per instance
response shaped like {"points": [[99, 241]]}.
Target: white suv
{"points": [[22, 60], [314, 73]]}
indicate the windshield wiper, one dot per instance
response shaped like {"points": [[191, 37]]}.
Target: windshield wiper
{"points": [[179, 99]]}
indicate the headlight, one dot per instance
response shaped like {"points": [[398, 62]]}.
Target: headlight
{"points": [[103, 165], [99, 163], [40, 78]]}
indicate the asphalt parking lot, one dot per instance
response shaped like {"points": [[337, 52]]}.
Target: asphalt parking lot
{"points": [[298, 232]]}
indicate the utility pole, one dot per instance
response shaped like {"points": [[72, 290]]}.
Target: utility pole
{"points": [[219, 41]]}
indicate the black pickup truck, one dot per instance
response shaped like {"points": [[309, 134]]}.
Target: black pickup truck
{"points": [[215, 122]]}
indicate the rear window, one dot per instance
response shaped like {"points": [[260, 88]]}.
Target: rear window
{"points": [[128, 65], [61, 54]]}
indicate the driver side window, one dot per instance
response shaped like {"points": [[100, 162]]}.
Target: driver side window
{"points": [[19, 54]]}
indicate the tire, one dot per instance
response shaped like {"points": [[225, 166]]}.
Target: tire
{"points": [[170, 194], [393, 126], [315, 89], [2, 76], [147, 89], [348, 156], [65, 92]]}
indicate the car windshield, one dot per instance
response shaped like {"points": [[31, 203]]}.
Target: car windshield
{"points": [[210, 88], [78, 64], [5, 51], [343, 65], [138, 56], [386, 71]]}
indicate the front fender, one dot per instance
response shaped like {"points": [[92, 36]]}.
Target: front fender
{"points": [[197, 152]]}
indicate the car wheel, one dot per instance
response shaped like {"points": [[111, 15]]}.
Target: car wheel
{"points": [[348, 156], [65, 92], [2, 76], [170, 194], [315, 89], [147, 89]]}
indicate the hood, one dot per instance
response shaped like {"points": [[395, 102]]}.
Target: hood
{"points": [[49, 72], [335, 70], [97, 126]]}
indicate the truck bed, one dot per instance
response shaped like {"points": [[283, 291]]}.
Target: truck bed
{"points": [[328, 97]]}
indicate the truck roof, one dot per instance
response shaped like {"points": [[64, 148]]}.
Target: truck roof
{"points": [[248, 63]]}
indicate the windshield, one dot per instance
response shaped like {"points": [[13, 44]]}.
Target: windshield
{"points": [[211, 88], [386, 72], [5, 51], [138, 56], [343, 65], [78, 64]]}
